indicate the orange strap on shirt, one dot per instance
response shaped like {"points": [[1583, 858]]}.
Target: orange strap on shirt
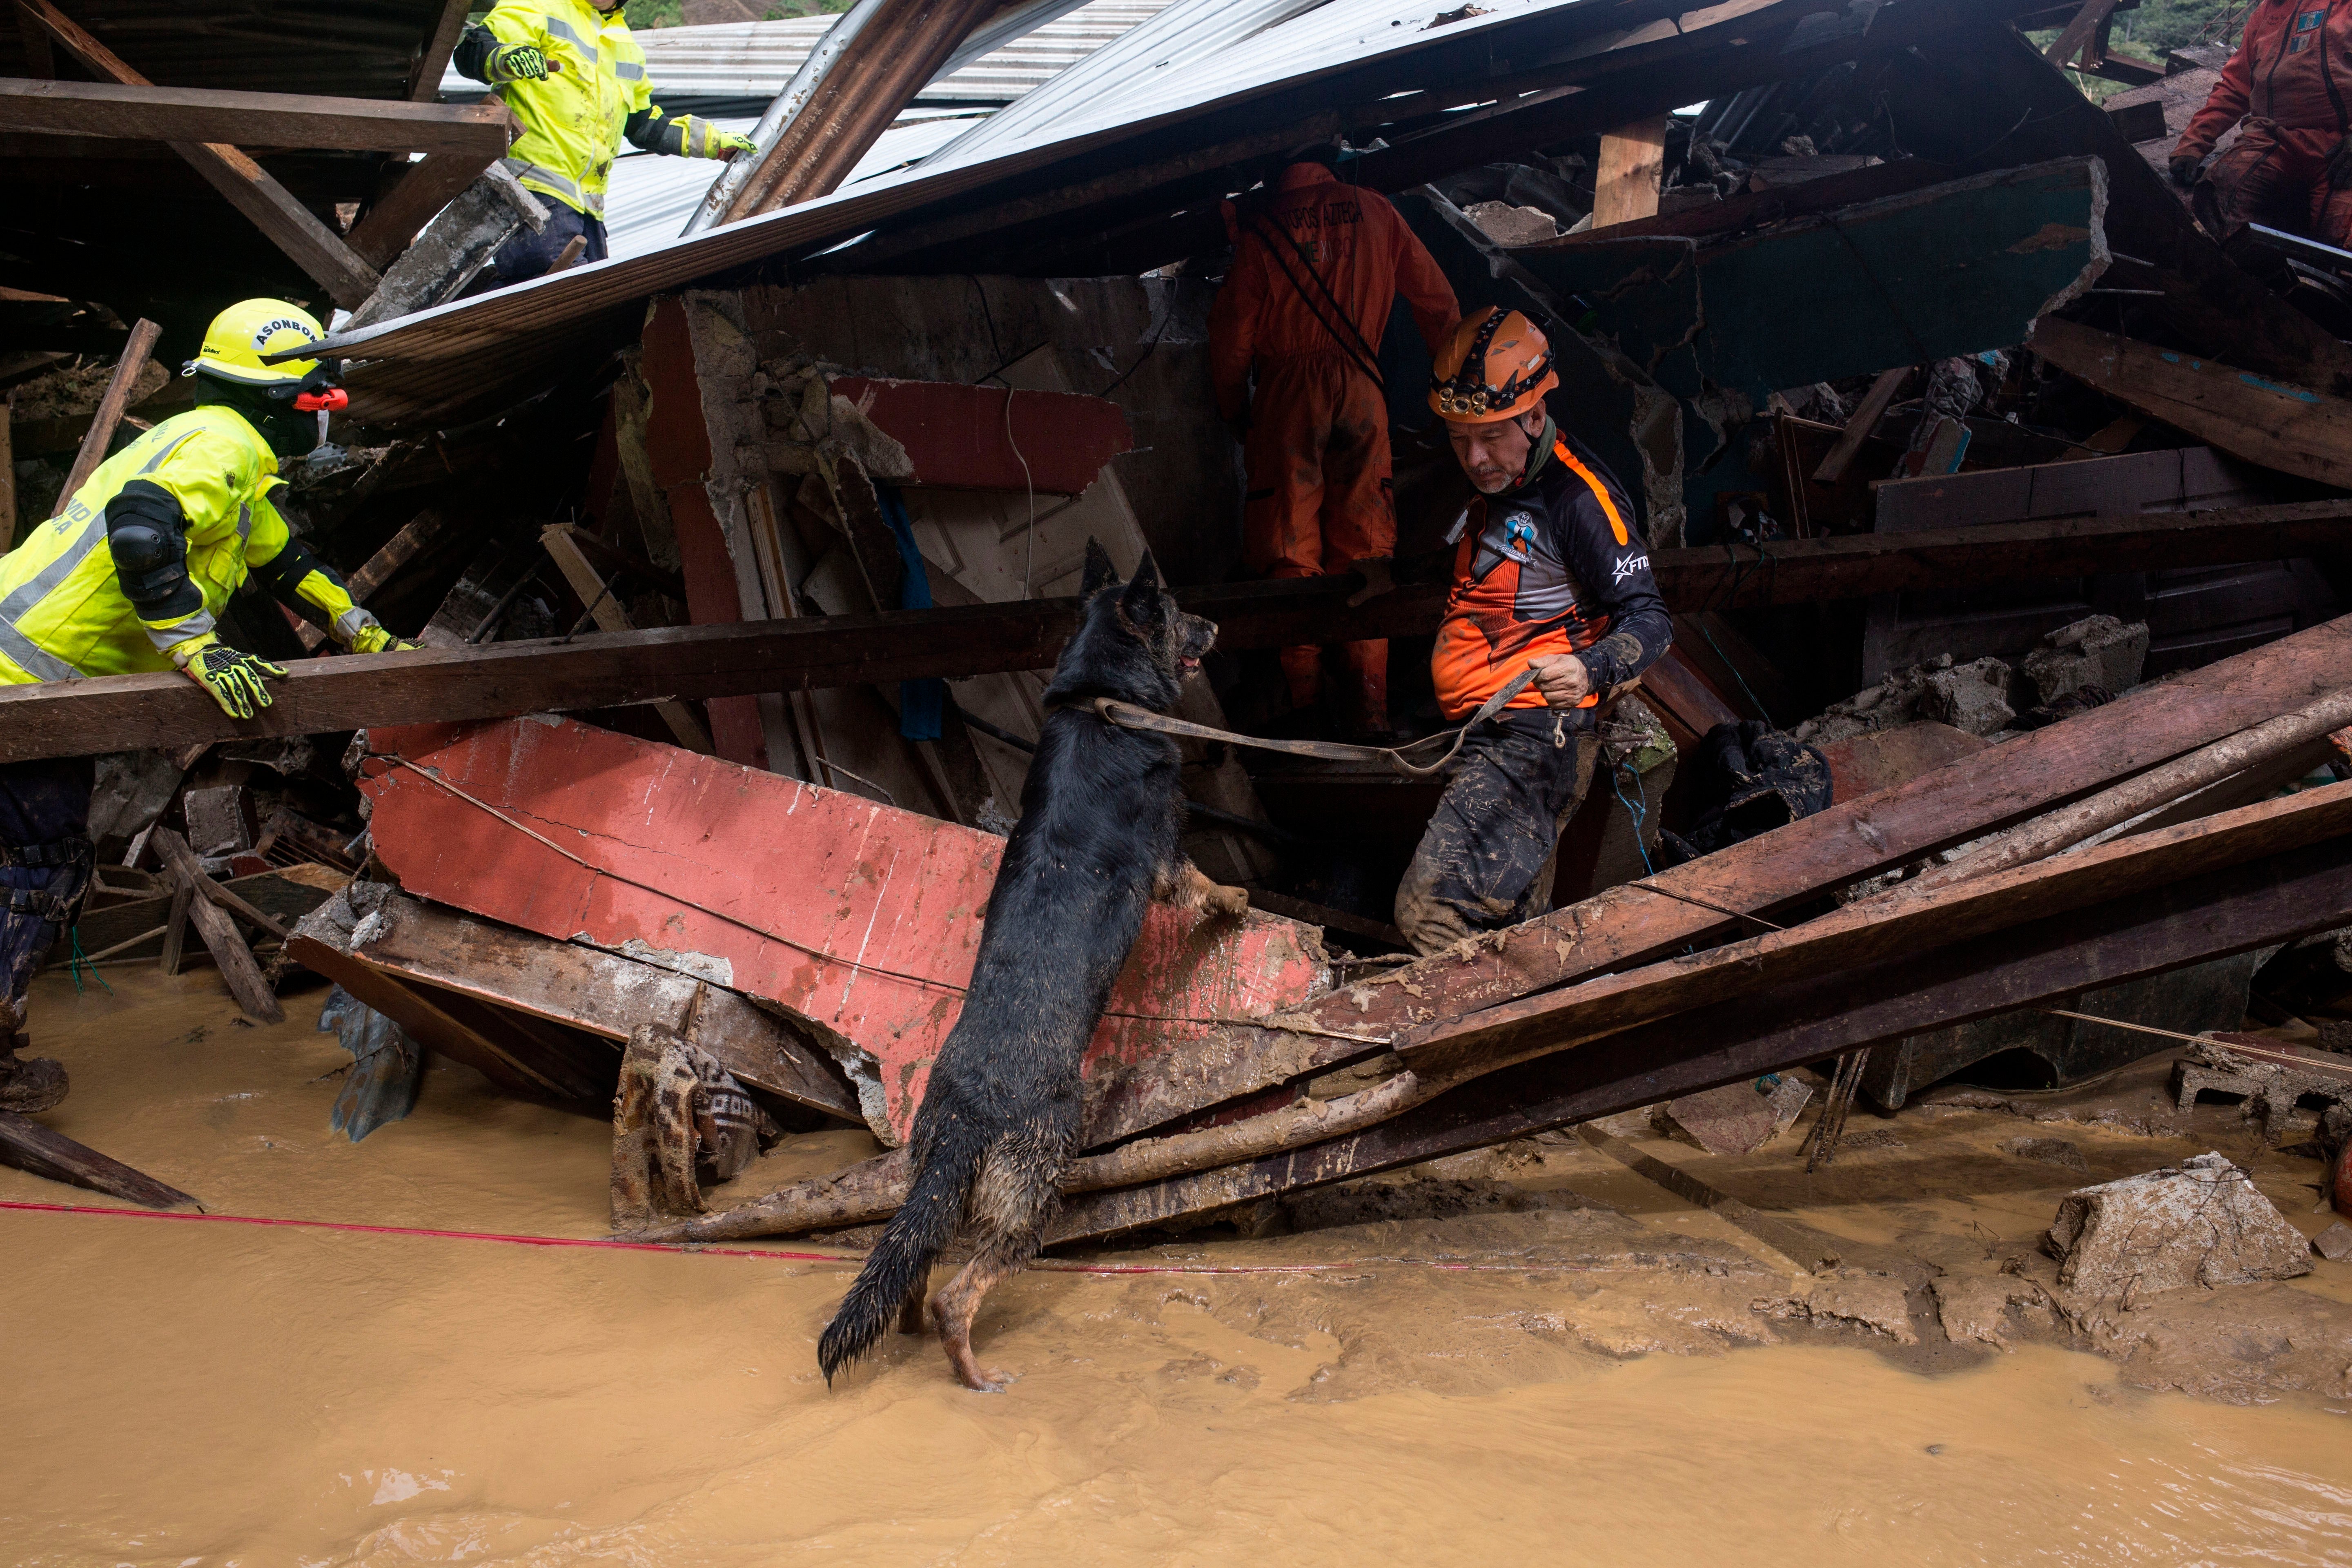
{"points": [[1600, 491]]}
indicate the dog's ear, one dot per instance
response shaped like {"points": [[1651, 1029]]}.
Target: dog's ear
{"points": [[1140, 603], [1100, 574]]}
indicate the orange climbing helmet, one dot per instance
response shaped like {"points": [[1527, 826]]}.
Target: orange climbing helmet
{"points": [[1497, 364]]}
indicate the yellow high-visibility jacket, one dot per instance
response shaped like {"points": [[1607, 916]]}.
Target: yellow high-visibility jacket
{"points": [[62, 612], [573, 121]]}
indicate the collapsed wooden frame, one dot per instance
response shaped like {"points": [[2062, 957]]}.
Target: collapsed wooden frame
{"points": [[124, 713]]}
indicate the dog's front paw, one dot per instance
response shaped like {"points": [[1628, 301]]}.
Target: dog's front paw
{"points": [[1231, 902]]}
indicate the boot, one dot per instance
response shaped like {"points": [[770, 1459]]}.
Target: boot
{"points": [[28, 1085]]}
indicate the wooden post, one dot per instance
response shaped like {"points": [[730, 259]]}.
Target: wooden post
{"points": [[609, 616], [228, 950], [29, 1146], [2070, 41], [1867, 416], [175, 927], [1633, 164], [397, 553], [109, 408], [7, 477]]}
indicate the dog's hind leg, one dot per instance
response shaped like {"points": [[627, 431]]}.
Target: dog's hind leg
{"points": [[1016, 1187], [910, 1310]]}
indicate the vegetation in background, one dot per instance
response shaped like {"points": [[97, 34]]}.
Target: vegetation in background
{"points": [[2153, 29]]}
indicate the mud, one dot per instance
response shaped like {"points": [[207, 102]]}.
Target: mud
{"points": [[1525, 1353]]}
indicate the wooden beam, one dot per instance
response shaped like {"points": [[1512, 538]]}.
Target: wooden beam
{"points": [[597, 594], [425, 81], [2007, 952], [291, 225], [1626, 177], [151, 113], [2077, 33], [398, 552], [2290, 428], [29, 1146], [212, 923], [460, 1027], [601, 993], [40, 58], [111, 405], [1706, 898], [126, 712], [2253, 905], [1865, 420]]}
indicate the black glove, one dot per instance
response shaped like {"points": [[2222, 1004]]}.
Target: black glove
{"points": [[2184, 169]]}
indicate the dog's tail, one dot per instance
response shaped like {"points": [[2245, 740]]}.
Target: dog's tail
{"points": [[917, 1234]]}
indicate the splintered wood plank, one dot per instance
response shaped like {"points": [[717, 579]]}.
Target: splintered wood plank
{"points": [[238, 967], [2291, 428], [563, 548], [116, 398], [1625, 179], [1854, 839], [29, 1146], [601, 993]]}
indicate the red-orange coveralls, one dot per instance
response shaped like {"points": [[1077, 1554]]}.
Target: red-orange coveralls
{"points": [[1317, 454], [2278, 82]]}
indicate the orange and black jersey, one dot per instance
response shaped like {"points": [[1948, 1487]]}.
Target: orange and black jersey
{"points": [[1552, 566]]}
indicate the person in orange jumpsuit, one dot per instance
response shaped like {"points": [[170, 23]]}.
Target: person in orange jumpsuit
{"points": [[1315, 270], [2288, 89]]}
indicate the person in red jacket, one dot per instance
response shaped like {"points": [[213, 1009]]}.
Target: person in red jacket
{"points": [[2289, 90], [1315, 270]]}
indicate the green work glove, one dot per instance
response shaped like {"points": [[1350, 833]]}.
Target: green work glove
{"points": [[519, 62], [235, 678], [373, 638], [725, 144]]}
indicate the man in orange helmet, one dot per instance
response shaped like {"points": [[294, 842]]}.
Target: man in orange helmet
{"points": [[1549, 575], [1314, 271]]}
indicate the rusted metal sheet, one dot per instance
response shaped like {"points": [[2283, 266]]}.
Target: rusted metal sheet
{"points": [[862, 918], [993, 437]]}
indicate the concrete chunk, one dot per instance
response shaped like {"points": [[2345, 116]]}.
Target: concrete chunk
{"points": [[1971, 697], [2335, 1243], [2098, 650], [2199, 1223]]}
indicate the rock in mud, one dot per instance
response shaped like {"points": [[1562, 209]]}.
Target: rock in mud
{"points": [[2199, 1223], [1875, 1301], [1740, 1118], [2335, 1243]]}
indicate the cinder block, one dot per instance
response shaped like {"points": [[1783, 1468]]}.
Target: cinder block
{"points": [[2098, 650]]}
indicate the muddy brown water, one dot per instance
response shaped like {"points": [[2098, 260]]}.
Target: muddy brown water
{"points": [[213, 1393]]}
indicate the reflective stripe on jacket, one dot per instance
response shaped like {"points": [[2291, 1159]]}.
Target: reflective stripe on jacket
{"points": [[62, 612], [2293, 53], [570, 121]]}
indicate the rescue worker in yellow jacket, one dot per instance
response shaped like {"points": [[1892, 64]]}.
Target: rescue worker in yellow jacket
{"points": [[131, 577], [573, 74]]}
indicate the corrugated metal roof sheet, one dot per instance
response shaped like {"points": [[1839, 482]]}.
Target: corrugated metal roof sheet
{"points": [[1229, 65], [651, 195], [738, 67]]}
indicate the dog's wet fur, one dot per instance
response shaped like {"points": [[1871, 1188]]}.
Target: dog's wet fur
{"points": [[1101, 816]]}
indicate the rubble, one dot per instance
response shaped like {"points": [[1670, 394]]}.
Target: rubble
{"points": [[2199, 1223]]}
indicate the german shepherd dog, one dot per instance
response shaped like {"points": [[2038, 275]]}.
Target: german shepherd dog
{"points": [[1097, 839]]}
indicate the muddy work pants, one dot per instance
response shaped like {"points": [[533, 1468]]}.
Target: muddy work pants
{"points": [[45, 863], [2275, 175], [1485, 859], [1317, 461]]}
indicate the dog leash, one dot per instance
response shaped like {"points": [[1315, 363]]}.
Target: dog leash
{"points": [[1127, 716]]}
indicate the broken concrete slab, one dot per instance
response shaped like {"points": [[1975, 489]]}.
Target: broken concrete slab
{"points": [[2202, 1222], [1971, 697], [2098, 650]]}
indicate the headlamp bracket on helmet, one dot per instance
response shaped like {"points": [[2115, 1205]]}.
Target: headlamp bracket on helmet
{"points": [[1468, 394]]}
